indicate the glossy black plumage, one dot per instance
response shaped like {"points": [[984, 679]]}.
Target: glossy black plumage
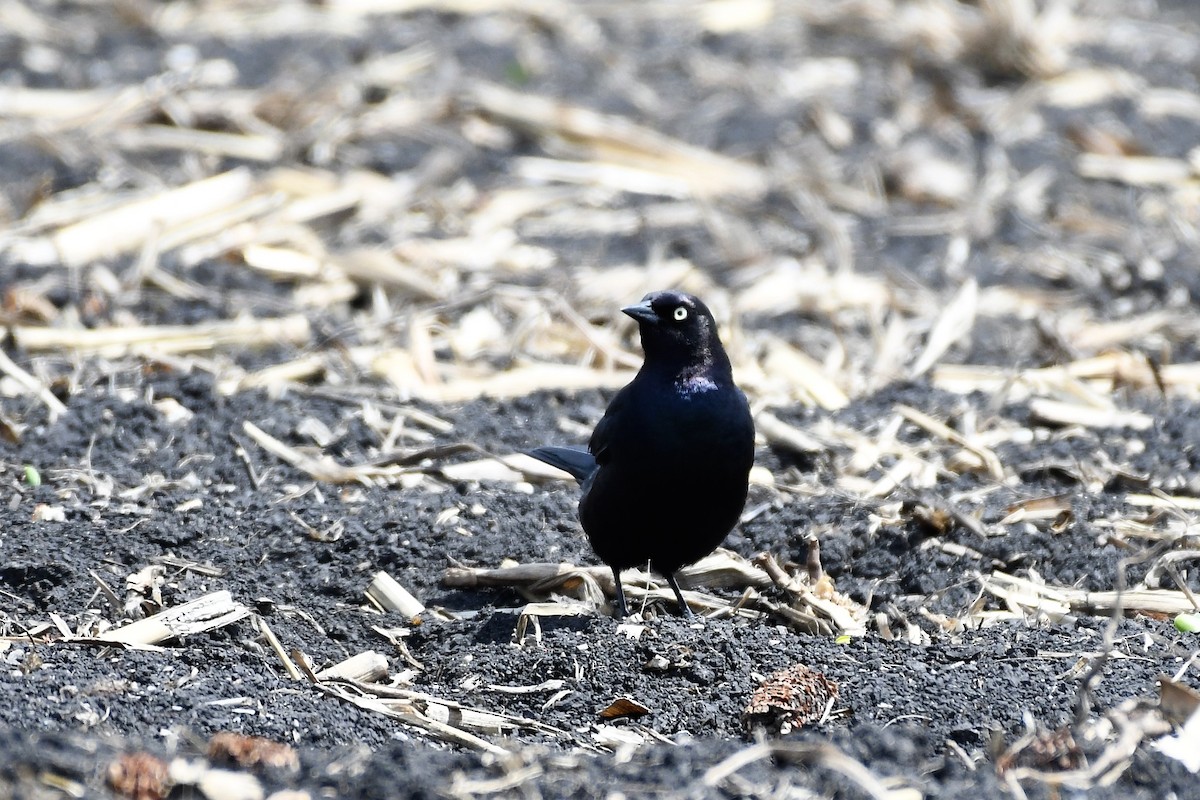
{"points": [[667, 468]]}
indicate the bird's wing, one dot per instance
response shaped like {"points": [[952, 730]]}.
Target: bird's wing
{"points": [[603, 433]]}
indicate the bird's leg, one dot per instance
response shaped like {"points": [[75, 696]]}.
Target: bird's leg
{"points": [[622, 611], [683, 606]]}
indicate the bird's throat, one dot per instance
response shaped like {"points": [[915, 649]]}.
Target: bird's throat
{"points": [[688, 386]]}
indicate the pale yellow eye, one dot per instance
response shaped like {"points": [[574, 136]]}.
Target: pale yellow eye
{"points": [[681, 314]]}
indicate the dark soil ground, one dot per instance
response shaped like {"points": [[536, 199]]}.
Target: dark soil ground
{"points": [[900, 705], [938, 709]]}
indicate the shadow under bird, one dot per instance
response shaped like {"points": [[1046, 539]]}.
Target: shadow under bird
{"points": [[666, 472]]}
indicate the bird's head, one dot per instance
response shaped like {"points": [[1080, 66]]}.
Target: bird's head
{"points": [[678, 329]]}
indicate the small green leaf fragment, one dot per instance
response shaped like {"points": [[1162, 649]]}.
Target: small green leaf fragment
{"points": [[1188, 623], [516, 73], [32, 476]]}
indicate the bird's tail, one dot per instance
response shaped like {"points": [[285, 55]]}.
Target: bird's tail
{"points": [[578, 463]]}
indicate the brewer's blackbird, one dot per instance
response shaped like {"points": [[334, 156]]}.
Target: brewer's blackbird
{"points": [[667, 468]]}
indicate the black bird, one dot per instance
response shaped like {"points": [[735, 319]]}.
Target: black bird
{"points": [[667, 468]]}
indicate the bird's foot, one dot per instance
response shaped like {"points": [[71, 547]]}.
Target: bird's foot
{"points": [[684, 608]]}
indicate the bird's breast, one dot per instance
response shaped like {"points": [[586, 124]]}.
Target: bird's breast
{"points": [[701, 426]]}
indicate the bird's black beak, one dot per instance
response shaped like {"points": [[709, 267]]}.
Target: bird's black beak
{"points": [[642, 312]]}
